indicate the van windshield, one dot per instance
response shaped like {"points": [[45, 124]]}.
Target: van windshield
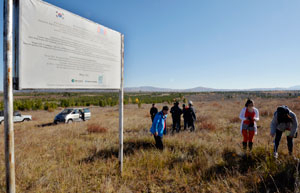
{"points": [[67, 111]]}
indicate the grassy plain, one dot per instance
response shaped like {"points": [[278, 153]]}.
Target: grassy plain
{"points": [[83, 156]]}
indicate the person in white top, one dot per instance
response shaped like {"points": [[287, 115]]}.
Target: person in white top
{"points": [[249, 115]]}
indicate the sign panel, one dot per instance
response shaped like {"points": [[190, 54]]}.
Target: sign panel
{"points": [[61, 50]]}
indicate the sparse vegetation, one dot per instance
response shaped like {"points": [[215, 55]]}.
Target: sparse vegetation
{"points": [[83, 156]]}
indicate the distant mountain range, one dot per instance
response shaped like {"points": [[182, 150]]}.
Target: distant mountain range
{"points": [[202, 89]]}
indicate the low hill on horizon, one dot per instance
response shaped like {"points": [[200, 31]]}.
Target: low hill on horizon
{"points": [[203, 89]]}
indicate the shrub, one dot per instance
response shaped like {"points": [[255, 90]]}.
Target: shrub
{"points": [[235, 120], [208, 126], [95, 128], [266, 113]]}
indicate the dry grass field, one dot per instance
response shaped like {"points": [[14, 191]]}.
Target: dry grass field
{"points": [[82, 157]]}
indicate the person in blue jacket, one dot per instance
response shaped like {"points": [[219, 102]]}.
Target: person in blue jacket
{"points": [[159, 126]]}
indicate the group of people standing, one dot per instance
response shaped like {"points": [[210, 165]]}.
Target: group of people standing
{"points": [[159, 127], [284, 121]]}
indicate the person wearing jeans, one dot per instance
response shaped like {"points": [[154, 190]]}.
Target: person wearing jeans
{"points": [[249, 115], [284, 121], [159, 126]]}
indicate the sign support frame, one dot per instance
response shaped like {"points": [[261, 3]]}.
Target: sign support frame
{"points": [[8, 96], [121, 108]]}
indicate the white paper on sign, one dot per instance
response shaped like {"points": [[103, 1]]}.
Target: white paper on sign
{"points": [[61, 50]]}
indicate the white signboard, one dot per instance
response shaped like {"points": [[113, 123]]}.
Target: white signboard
{"points": [[61, 50]]}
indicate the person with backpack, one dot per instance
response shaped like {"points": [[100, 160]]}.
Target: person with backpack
{"points": [[284, 121], [249, 115], [176, 116], [184, 112], [191, 117], [153, 111], [159, 127]]}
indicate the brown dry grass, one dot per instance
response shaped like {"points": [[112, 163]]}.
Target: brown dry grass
{"points": [[67, 158]]}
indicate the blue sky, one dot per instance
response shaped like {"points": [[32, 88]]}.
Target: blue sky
{"points": [[212, 43]]}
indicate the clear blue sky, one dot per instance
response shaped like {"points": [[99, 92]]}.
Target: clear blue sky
{"points": [[190, 43]]}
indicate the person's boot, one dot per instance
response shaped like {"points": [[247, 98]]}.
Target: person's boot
{"points": [[250, 144], [244, 145]]}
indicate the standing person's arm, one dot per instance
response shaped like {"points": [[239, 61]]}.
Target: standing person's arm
{"points": [[274, 124], [180, 111], [242, 114], [294, 126], [256, 117], [194, 115], [243, 118], [155, 123], [172, 110]]}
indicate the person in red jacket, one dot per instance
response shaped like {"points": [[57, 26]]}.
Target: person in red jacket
{"points": [[249, 115]]}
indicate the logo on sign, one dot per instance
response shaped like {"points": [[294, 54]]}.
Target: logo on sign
{"points": [[101, 30], [60, 15]]}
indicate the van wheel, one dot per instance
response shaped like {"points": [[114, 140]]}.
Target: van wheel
{"points": [[25, 120], [69, 121]]}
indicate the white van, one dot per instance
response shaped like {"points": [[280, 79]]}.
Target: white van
{"points": [[70, 115]]}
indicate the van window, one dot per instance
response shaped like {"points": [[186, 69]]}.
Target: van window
{"points": [[86, 110], [66, 111]]}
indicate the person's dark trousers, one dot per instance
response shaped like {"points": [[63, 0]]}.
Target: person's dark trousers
{"points": [[152, 118], [191, 125], [158, 142], [176, 125], [278, 138], [185, 124]]}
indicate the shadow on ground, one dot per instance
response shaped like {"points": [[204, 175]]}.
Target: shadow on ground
{"points": [[129, 148], [274, 175], [46, 125]]}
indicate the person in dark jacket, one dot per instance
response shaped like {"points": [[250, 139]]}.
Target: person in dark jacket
{"points": [[159, 126], [284, 120], [191, 117], [176, 114], [184, 112], [153, 111]]}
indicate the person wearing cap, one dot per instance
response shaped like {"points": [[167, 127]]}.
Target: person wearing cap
{"points": [[191, 117], [159, 126], [249, 115], [176, 115], [153, 112], [284, 120], [184, 112]]}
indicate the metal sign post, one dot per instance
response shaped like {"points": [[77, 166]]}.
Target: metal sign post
{"points": [[8, 97], [121, 107]]}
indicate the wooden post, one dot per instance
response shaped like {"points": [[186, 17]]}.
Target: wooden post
{"points": [[121, 107], [8, 97]]}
